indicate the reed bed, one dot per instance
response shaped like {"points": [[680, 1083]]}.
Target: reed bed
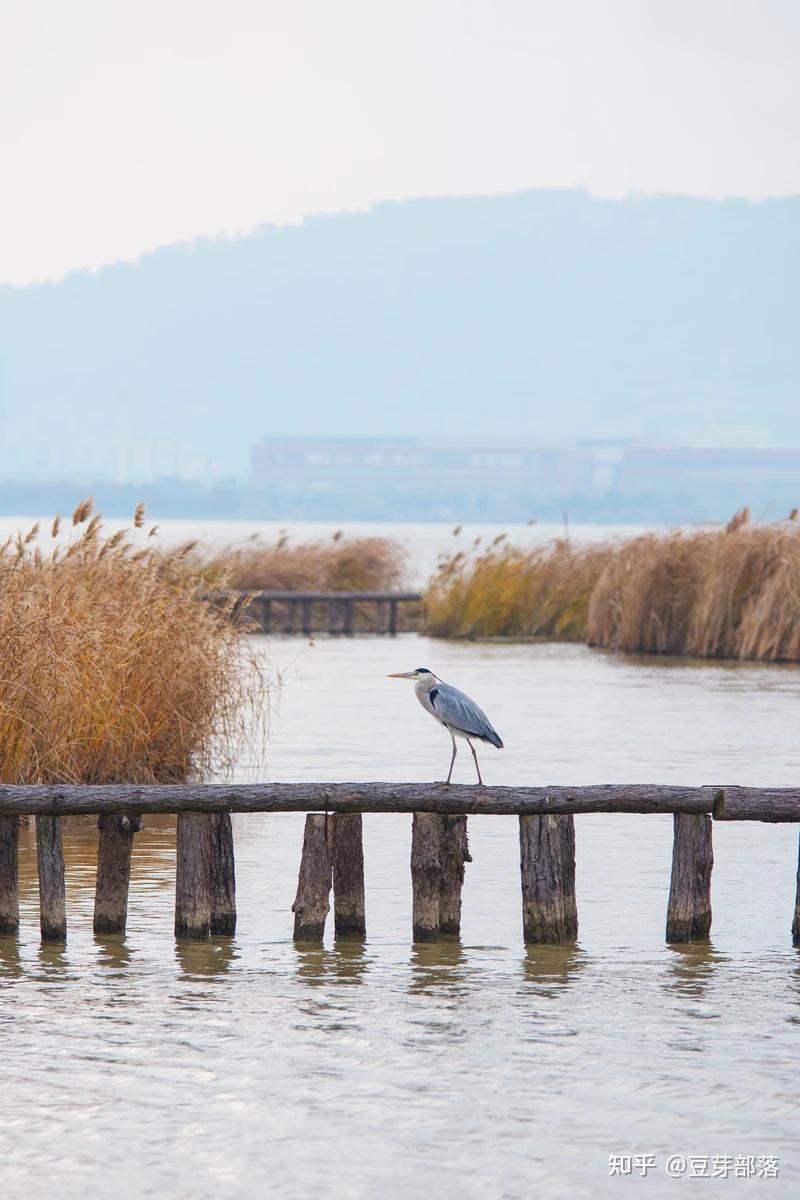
{"points": [[726, 593], [730, 593], [112, 669], [340, 564], [507, 591]]}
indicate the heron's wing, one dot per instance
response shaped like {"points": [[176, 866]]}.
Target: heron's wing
{"points": [[457, 710]]}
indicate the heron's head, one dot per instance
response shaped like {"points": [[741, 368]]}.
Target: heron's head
{"points": [[420, 673]]}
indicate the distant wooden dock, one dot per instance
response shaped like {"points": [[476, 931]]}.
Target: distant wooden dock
{"points": [[300, 612], [332, 857]]}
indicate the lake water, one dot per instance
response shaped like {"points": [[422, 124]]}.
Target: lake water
{"points": [[252, 1067]]}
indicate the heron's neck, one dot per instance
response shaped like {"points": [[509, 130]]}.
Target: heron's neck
{"points": [[424, 686]]}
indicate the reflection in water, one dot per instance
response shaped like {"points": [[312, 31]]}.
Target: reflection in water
{"points": [[53, 959], [692, 967], [113, 951], [351, 962], [201, 960], [153, 857], [435, 965], [552, 968], [346, 963], [10, 962], [794, 992]]}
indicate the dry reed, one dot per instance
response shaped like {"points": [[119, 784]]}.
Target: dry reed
{"points": [[727, 593], [112, 669], [506, 591], [730, 593], [338, 565]]}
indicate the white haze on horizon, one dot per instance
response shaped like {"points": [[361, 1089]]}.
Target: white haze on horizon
{"points": [[128, 127]]}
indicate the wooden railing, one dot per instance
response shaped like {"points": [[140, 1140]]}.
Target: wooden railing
{"points": [[332, 854], [297, 612]]}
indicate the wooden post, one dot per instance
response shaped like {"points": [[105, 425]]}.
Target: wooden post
{"points": [[193, 875], [426, 836], [393, 617], [113, 871], [223, 877], [52, 889], [454, 855], [349, 913], [9, 875], [266, 615], [333, 616], [306, 617], [796, 921], [349, 612], [689, 907], [311, 905], [547, 867]]}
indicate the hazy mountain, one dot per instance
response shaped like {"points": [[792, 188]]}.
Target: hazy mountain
{"points": [[547, 314]]}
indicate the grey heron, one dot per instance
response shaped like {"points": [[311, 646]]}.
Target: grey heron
{"points": [[460, 715]]}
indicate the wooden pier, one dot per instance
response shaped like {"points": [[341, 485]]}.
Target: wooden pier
{"points": [[332, 857], [340, 613]]}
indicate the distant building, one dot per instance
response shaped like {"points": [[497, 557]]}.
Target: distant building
{"points": [[411, 477], [325, 465]]}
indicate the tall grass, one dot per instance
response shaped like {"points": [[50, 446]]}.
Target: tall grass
{"points": [[340, 565], [727, 593], [506, 591], [111, 668], [732, 593]]}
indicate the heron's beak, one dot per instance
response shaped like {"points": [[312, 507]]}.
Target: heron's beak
{"points": [[402, 675]]}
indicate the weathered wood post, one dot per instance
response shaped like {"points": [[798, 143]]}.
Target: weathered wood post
{"points": [[114, 870], [796, 921], [193, 875], [223, 877], [306, 616], [52, 889], [426, 875], [689, 906], [311, 903], [393, 617], [334, 616], [349, 912], [547, 869], [266, 614], [9, 875], [349, 615], [454, 852]]}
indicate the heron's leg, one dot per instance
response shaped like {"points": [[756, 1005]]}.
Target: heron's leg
{"points": [[452, 760], [474, 755]]}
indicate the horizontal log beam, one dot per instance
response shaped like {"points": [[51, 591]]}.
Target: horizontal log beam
{"points": [[756, 804], [322, 597], [727, 804], [76, 799]]}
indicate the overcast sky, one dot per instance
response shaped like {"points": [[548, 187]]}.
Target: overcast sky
{"points": [[125, 125]]}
